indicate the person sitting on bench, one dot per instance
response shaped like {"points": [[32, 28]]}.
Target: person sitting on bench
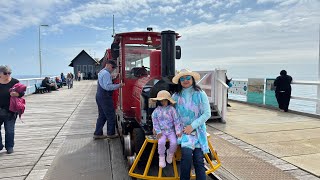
{"points": [[46, 83]]}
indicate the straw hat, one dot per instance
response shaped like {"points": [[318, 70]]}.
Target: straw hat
{"points": [[185, 72], [163, 95]]}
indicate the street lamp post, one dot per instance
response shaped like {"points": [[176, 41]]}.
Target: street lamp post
{"points": [[40, 48]]}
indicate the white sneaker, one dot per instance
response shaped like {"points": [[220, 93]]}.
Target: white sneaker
{"points": [[162, 162], [169, 157]]}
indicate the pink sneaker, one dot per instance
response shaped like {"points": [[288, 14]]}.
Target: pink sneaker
{"points": [[162, 162], [169, 157]]}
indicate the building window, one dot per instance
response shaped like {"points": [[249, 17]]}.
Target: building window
{"points": [[84, 70], [78, 69]]}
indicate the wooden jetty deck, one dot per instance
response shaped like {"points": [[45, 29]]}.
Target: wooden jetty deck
{"points": [[54, 141], [288, 141]]}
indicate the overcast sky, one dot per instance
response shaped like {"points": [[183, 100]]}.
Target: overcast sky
{"points": [[215, 33]]}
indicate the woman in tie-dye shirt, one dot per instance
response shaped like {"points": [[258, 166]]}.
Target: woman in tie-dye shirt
{"points": [[193, 108], [166, 125]]}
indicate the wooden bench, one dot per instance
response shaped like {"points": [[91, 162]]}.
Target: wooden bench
{"points": [[39, 89]]}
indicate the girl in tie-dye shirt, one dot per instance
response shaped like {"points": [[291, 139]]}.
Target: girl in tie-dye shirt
{"points": [[166, 125], [193, 109]]}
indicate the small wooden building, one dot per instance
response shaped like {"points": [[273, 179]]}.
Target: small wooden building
{"points": [[88, 66]]}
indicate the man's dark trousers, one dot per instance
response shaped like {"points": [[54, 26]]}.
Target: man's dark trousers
{"points": [[106, 112]]}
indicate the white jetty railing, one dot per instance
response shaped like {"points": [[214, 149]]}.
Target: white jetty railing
{"points": [[30, 83], [213, 83], [304, 96]]}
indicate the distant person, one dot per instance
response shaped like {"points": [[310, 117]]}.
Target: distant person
{"points": [[46, 83], [7, 117], [54, 85], [283, 90], [63, 79], [167, 125], [71, 82], [193, 108], [59, 82], [89, 75], [79, 75], [69, 79], [228, 82], [105, 102]]}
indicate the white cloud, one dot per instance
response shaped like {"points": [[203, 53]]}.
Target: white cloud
{"points": [[281, 35], [207, 16], [217, 4], [280, 2], [232, 3], [17, 15], [171, 2], [92, 10], [166, 10]]}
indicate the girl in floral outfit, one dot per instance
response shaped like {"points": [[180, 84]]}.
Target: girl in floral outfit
{"points": [[166, 125]]}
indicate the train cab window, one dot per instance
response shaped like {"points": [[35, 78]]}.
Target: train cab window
{"points": [[137, 61]]}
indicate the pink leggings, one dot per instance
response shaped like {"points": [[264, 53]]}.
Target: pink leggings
{"points": [[162, 143]]}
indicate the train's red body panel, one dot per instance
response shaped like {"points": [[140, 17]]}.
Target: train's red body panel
{"points": [[146, 63]]}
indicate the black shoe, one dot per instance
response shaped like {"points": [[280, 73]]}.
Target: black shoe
{"points": [[95, 137], [112, 136], [9, 150], [228, 105]]}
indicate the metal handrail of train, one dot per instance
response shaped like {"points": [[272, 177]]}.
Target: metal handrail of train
{"points": [[213, 161]]}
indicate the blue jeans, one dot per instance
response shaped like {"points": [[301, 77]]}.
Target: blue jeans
{"points": [[9, 125], [187, 156], [106, 113]]}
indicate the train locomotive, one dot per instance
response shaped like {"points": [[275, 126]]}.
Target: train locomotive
{"points": [[146, 64]]}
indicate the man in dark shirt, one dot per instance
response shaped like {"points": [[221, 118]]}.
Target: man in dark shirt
{"points": [[283, 90], [46, 83]]}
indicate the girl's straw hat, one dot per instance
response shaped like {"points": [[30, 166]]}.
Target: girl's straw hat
{"points": [[185, 72], [163, 95]]}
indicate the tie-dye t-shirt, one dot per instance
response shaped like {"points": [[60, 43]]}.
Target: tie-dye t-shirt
{"points": [[165, 120], [193, 109]]}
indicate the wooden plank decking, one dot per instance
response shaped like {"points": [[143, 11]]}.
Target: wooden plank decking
{"points": [[54, 141]]}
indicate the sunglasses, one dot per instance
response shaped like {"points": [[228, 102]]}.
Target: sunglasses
{"points": [[188, 78], [6, 73]]}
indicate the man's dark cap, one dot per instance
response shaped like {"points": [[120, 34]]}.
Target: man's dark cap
{"points": [[112, 62]]}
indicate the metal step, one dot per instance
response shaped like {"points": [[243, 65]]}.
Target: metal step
{"points": [[214, 118], [214, 110]]}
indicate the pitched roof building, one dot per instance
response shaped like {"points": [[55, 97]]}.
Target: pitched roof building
{"points": [[87, 65]]}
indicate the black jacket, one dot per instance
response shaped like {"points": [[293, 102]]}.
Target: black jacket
{"points": [[283, 83]]}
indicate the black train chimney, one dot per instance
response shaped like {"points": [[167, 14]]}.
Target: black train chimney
{"points": [[168, 53]]}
